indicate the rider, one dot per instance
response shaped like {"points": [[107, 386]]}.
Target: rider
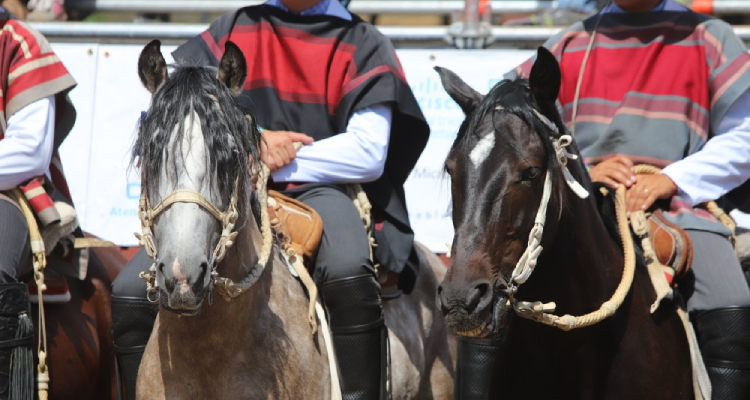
{"points": [[668, 87], [319, 75], [35, 116]]}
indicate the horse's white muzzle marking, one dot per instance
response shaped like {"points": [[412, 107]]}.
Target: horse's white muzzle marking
{"points": [[180, 276]]}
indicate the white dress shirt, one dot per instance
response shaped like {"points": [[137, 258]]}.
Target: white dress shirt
{"points": [[355, 156], [26, 150], [722, 164]]}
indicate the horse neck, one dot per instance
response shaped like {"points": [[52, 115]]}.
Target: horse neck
{"points": [[582, 263]]}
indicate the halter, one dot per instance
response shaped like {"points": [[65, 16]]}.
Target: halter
{"points": [[227, 288]]}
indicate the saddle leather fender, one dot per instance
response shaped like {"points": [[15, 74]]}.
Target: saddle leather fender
{"points": [[672, 245], [298, 226]]}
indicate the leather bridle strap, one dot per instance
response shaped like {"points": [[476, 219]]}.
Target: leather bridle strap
{"points": [[186, 196]]}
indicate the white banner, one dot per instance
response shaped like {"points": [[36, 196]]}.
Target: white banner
{"points": [[110, 98]]}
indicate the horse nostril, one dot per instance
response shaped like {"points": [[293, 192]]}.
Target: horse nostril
{"points": [[160, 267], [475, 296], [204, 266], [441, 302]]}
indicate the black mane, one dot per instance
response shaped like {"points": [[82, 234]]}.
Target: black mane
{"points": [[230, 137]]}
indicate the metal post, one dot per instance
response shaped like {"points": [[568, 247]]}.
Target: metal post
{"points": [[474, 30]]}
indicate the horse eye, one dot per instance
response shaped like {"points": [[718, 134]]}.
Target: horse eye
{"points": [[530, 173]]}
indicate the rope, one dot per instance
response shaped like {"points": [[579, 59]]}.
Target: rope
{"points": [[580, 75], [39, 262], [364, 207], [540, 312]]}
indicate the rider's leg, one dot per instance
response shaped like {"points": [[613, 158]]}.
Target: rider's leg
{"points": [[133, 318], [16, 329], [351, 293], [719, 301]]}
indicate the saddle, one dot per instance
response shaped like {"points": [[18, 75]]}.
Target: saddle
{"points": [[298, 227], [672, 245]]}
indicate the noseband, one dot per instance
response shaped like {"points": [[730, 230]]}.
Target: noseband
{"points": [[227, 288]]}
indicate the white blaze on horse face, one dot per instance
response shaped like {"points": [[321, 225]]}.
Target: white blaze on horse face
{"points": [[482, 149], [195, 159]]}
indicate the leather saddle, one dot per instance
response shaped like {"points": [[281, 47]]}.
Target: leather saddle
{"points": [[672, 245], [298, 227]]}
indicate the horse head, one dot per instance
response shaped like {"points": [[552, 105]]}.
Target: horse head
{"points": [[193, 145], [504, 155]]}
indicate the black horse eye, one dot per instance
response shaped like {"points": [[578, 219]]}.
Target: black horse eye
{"points": [[530, 173]]}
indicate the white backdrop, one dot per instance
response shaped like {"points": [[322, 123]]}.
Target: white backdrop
{"points": [[110, 98]]}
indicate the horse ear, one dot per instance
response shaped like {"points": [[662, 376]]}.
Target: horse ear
{"points": [[545, 76], [152, 69], [233, 68], [463, 94]]}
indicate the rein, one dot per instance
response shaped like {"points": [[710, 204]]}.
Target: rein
{"points": [[227, 288]]}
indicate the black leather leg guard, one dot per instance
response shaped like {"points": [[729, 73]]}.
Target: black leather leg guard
{"points": [[132, 322], [359, 335], [477, 369], [16, 336], [724, 340]]}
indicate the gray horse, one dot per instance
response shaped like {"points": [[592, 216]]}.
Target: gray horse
{"points": [[259, 344]]}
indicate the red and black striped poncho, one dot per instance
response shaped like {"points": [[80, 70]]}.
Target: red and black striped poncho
{"points": [[309, 74]]}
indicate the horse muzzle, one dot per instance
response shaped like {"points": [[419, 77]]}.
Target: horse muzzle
{"points": [[479, 311], [186, 303]]}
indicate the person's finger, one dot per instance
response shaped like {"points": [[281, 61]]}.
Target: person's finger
{"points": [[620, 177], [625, 171], [270, 163], [610, 183], [635, 197], [649, 200], [290, 151], [300, 137], [624, 161], [282, 157]]}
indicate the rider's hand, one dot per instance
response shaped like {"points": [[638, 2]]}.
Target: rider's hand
{"points": [[277, 147], [649, 189], [614, 172]]}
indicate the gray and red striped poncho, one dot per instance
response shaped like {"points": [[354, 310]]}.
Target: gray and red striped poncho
{"points": [[655, 89]]}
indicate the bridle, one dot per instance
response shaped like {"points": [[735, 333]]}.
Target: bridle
{"points": [[227, 288], [527, 263], [542, 312]]}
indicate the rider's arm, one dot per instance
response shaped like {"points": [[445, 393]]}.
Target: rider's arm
{"points": [[27, 148], [355, 156], [722, 164]]}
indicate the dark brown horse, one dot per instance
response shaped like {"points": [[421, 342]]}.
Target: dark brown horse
{"points": [[498, 165], [79, 333]]}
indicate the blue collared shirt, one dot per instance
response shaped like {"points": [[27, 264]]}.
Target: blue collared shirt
{"points": [[324, 7]]}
